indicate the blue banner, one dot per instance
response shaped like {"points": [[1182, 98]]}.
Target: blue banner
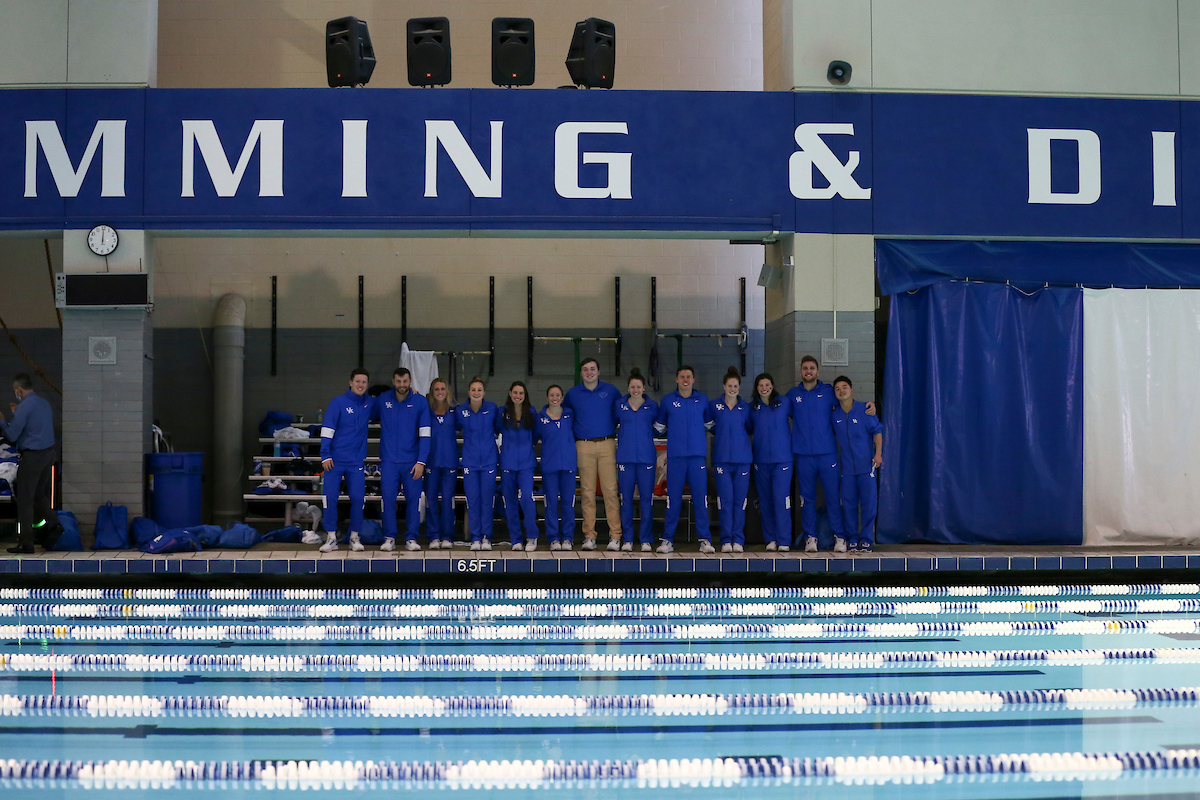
{"points": [[564, 160]]}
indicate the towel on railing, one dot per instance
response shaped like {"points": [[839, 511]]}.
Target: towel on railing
{"points": [[422, 364]]}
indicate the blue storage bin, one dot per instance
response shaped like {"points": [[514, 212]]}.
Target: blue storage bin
{"points": [[175, 493]]}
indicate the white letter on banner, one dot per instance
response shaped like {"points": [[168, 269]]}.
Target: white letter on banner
{"points": [[479, 182], [1039, 166], [814, 152], [566, 162], [1164, 167], [110, 132], [354, 158], [267, 134]]}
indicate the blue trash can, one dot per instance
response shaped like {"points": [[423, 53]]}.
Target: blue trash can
{"points": [[175, 494]]}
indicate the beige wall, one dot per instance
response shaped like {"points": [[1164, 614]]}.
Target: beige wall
{"points": [[448, 281], [677, 44]]}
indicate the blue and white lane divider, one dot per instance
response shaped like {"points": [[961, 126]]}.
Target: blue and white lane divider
{"points": [[593, 705], [141, 663], [600, 611], [665, 593], [788, 631], [539, 774]]}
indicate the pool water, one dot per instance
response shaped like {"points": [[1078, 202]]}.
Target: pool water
{"points": [[979, 692]]}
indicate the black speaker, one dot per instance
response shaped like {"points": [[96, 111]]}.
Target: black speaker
{"points": [[593, 54], [838, 73], [349, 57], [512, 51], [429, 51]]}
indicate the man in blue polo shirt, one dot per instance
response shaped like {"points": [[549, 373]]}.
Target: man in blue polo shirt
{"points": [[593, 404], [31, 431], [343, 451], [403, 450], [810, 405]]}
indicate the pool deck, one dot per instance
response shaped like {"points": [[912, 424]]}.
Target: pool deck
{"points": [[296, 560]]}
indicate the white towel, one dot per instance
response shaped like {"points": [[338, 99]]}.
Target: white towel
{"points": [[422, 364], [8, 472], [284, 434]]}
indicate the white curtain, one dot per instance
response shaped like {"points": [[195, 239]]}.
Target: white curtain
{"points": [[1141, 434]]}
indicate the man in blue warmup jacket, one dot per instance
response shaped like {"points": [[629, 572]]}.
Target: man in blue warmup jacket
{"points": [[811, 405], [860, 440], [685, 416], [403, 417], [31, 431], [343, 451]]}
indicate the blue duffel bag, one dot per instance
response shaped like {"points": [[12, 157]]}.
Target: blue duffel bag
{"points": [[176, 540]]}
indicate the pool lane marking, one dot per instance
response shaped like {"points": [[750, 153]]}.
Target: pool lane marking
{"points": [[604, 726]]}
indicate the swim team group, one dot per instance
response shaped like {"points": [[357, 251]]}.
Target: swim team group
{"points": [[596, 433]]}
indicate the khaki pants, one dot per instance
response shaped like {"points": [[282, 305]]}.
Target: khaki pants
{"points": [[599, 459]]}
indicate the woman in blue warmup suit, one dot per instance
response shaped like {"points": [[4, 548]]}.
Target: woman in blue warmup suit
{"points": [[518, 431], [442, 470], [476, 419], [731, 461], [685, 416], [636, 460], [772, 462], [556, 429]]}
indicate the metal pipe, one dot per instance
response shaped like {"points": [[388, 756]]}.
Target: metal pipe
{"points": [[229, 337]]}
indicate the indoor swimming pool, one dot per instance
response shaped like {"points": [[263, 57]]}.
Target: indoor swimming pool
{"points": [[980, 691]]}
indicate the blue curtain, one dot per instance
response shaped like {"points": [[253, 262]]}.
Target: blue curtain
{"points": [[904, 265], [983, 416]]}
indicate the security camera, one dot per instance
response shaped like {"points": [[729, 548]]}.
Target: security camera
{"points": [[838, 73]]}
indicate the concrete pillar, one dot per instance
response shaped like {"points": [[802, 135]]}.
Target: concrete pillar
{"points": [[107, 408], [229, 336], [827, 287]]}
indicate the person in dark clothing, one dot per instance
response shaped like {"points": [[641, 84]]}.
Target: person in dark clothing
{"points": [[31, 431]]}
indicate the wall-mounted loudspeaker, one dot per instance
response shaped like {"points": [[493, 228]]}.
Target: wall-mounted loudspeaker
{"points": [[512, 51], [838, 73], [429, 51], [349, 57], [592, 56]]}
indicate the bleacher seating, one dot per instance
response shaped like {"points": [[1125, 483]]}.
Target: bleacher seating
{"points": [[289, 501]]}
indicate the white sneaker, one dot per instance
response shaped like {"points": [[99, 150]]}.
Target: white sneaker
{"points": [[412, 546], [783, 548], [589, 544], [727, 548], [435, 544], [476, 545], [310, 537], [556, 545], [810, 544], [614, 544], [567, 545], [531, 545], [389, 544], [706, 546], [330, 543], [839, 544], [771, 547], [737, 548], [355, 544], [646, 548], [515, 546], [627, 547], [486, 544], [665, 547]]}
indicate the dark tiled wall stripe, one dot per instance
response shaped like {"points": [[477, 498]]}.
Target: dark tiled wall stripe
{"points": [[526, 566]]}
